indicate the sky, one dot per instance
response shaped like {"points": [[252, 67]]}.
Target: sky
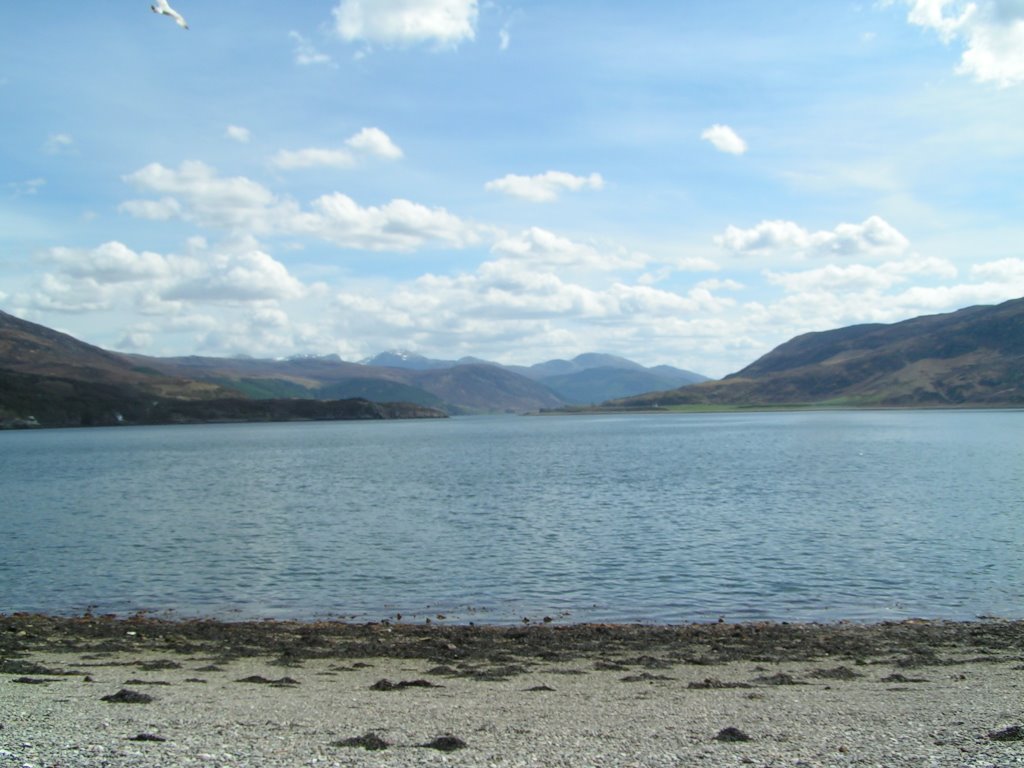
{"points": [[678, 182]]}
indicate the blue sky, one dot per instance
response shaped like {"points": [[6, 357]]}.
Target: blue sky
{"points": [[689, 183]]}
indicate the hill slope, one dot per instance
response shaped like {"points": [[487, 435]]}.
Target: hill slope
{"points": [[48, 378], [974, 356]]}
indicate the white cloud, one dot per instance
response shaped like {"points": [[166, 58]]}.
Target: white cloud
{"points": [[57, 143], [725, 139], [112, 262], [244, 207], [238, 133], [313, 157], [369, 141], [157, 210], [543, 248], [63, 293], [399, 225], [545, 187], [1009, 271], [250, 275], [374, 141], [236, 203], [874, 238], [114, 274], [445, 23], [504, 39], [992, 33], [832, 277], [306, 53]]}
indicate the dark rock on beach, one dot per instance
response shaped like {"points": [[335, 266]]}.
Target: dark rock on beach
{"points": [[446, 743], [368, 741], [835, 673], [126, 696], [387, 685], [1013, 733], [713, 683], [731, 734]]}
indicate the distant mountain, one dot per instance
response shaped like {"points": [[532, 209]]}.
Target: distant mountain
{"points": [[595, 385], [48, 378], [479, 388], [467, 385], [406, 360], [588, 378], [594, 378], [974, 356]]}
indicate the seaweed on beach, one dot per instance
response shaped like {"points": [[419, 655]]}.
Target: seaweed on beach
{"points": [[126, 696], [282, 682], [1013, 733], [780, 678], [731, 734], [446, 743], [368, 741], [386, 685], [713, 683], [835, 673], [645, 677], [902, 643]]}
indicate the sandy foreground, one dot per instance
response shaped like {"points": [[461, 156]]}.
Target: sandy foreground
{"points": [[142, 692]]}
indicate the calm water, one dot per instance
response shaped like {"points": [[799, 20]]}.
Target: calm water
{"points": [[664, 518]]}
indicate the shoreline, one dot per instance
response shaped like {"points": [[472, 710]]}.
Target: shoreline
{"points": [[145, 692], [726, 641]]}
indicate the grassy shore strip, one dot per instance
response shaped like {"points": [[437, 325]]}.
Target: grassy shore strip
{"points": [[931, 641]]}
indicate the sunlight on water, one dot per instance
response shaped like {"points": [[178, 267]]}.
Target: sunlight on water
{"points": [[664, 518]]}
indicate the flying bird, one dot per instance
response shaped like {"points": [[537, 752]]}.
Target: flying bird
{"points": [[161, 6]]}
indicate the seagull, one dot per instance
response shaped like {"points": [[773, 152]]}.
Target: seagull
{"points": [[161, 6]]}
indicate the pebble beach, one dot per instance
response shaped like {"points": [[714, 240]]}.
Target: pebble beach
{"points": [[108, 691]]}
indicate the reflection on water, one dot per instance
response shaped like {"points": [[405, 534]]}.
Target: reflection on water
{"points": [[667, 518]]}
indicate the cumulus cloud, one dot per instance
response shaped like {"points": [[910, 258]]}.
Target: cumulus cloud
{"points": [[113, 274], [194, 192], [374, 141], [1009, 271], [369, 141], [991, 32], [399, 225], [156, 210], [250, 275], [833, 277], [238, 133], [543, 248], [874, 238], [725, 139], [444, 23], [199, 194], [545, 187], [306, 53], [112, 262], [313, 157]]}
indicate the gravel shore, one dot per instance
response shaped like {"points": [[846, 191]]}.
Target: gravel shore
{"points": [[141, 692]]}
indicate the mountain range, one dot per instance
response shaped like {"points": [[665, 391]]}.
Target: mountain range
{"points": [[971, 357], [46, 372]]}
